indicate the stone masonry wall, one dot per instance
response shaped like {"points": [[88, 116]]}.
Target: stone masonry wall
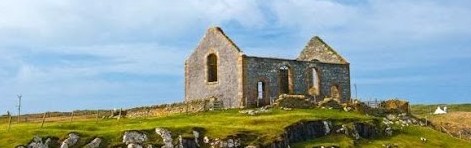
{"points": [[228, 85], [267, 70]]}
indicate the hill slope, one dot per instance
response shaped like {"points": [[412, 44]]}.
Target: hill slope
{"points": [[264, 128]]}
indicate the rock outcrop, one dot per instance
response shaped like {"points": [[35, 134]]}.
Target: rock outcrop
{"points": [[366, 130], [37, 142], [301, 131], [166, 137], [95, 143]]}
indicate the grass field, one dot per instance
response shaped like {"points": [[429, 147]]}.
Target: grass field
{"points": [[266, 127], [217, 124]]}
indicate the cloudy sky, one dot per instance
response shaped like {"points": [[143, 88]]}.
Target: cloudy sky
{"points": [[66, 55]]}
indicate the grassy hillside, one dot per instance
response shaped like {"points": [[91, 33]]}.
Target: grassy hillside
{"points": [[264, 127], [456, 122], [408, 137], [218, 124]]}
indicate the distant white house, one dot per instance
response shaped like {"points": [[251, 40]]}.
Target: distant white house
{"points": [[440, 111]]}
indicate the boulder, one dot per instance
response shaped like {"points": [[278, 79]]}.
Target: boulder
{"points": [[37, 142], [95, 143], [70, 141], [134, 137], [196, 134], [166, 137]]}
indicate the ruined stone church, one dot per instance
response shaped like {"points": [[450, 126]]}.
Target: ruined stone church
{"points": [[218, 68]]}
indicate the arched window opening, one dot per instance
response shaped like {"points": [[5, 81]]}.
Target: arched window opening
{"points": [[261, 90], [315, 83], [315, 79], [284, 80], [212, 66], [335, 92]]}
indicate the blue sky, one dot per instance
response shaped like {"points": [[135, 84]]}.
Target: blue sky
{"points": [[66, 55]]}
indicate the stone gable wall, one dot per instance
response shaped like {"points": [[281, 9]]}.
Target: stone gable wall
{"points": [[228, 84]]}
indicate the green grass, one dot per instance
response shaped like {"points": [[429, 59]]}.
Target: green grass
{"points": [[410, 137], [217, 124]]}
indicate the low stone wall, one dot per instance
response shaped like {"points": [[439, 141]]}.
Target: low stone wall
{"points": [[174, 108]]}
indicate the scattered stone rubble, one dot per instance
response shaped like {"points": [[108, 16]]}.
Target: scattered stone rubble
{"points": [[255, 111], [225, 143]]}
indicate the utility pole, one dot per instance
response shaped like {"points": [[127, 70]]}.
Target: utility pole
{"points": [[9, 120], [19, 107]]}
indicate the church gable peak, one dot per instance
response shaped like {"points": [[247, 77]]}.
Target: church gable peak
{"points": [[218, 34], [317, 49]]}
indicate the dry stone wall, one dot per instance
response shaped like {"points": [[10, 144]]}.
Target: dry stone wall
{"points": [[175, 108]]}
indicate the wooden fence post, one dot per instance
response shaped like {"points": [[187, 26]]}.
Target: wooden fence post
{"points": [[97, 115], [72, 117], [44, 119]]}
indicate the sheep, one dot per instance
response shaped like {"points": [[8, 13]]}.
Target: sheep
{"points": [[424, 140]]}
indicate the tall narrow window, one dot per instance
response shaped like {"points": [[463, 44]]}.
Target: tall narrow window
{"points": [[212, 66], [284, 80], [261, 90], [315, 79]]}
